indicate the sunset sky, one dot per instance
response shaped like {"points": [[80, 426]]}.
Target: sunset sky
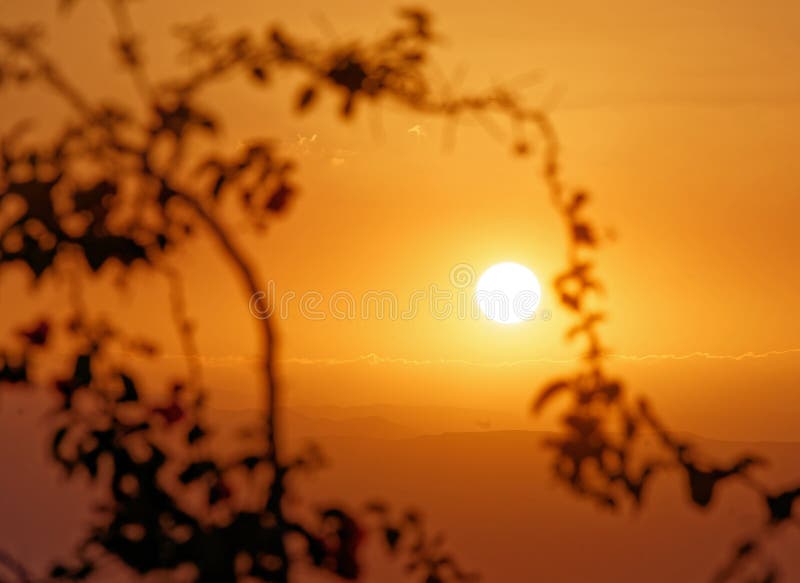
{"points": [[679, 118]]}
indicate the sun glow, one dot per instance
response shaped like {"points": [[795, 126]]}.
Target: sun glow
{"points": [[508, 293]]}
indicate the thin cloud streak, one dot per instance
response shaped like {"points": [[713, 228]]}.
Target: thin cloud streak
{"points": [[372, 358]]}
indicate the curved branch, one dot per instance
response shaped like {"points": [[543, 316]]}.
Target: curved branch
{"points": [[17, 568], [246, 273]]}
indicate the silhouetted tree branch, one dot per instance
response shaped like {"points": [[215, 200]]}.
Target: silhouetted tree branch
{"points": [[114, 188], [597, 451]]}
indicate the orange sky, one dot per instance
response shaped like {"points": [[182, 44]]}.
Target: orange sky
{"points": [[681, 118]]}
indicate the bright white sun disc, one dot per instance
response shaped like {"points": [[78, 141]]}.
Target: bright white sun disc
{"points": [[508, 293]]}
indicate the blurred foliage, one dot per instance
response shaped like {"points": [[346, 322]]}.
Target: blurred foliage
{"points": [[117, 188], [601, 450]]}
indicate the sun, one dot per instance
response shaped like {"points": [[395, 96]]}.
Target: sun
{"points": [[508, 293]]}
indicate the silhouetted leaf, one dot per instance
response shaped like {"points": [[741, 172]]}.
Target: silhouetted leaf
{"points": [[259, 74], [583, 424], [702, 483], [250, 462], [746, 548], [37, 336], [610, 392], [345, 537], [571, 301], [579, 199], [55, 446], [98, 249], [549, 392], [392, 537], [583, 233], [780, 505], [89, 460], [129, 392], [348, 106], [82, 375], [196, 433], [58, 572], [197, 470], [348, 72], [279, 198], [172, 413], [13, 373], [306, 98], [218, 492]]}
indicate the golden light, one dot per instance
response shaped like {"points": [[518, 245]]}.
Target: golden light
{"points": [[508, 293]]}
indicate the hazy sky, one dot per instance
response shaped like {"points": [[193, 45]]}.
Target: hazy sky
{"points": [[681, 118]]}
